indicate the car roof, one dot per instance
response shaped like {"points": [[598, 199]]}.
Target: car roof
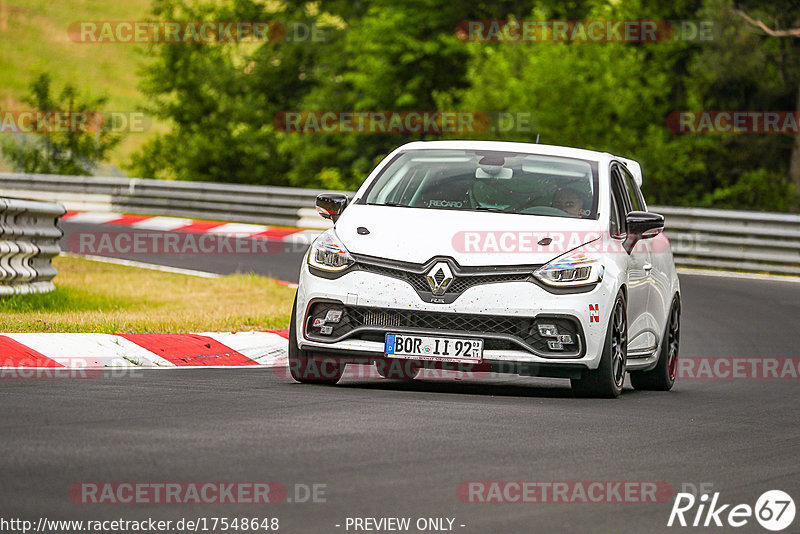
{"points": [[528, 148]]}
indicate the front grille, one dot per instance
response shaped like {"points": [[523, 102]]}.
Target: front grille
{"points": [[367, 321], [459, 284], [417, 281], [439, 321], [378, 318]]}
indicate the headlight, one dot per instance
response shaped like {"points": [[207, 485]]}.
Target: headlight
{"points": [[329, 254], [571, 270]]}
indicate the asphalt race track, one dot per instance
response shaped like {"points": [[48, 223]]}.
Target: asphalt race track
{"points": [[386, 448]]}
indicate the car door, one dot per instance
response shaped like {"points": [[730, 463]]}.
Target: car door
{"points": [[659, 279], [640, 331]]}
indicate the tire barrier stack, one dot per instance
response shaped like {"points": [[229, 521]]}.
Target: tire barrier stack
{"points": [[29, 235]]}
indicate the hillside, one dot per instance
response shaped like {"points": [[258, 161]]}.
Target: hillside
{"points": [[34, 39]]}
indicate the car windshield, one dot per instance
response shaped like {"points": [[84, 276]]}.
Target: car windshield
{"points": [[486, 180]]}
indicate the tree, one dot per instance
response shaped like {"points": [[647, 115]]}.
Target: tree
{"points": [[405, 55], [398, 55], [742, 69], [616, 97], [792, 13], [607, 96], [70, 135], [220, 98]]}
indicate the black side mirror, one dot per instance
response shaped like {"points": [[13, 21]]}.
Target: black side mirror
{"points": [[331, 205], [642, 225]]}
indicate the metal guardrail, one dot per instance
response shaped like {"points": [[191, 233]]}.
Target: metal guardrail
{"points": [[29, 237], [207, 200], [740, 240]]}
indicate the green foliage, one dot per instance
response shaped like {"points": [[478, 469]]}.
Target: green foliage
{"points": [[75, 149], [221, 98], [616, 97], [393, 55], [757, 189]]}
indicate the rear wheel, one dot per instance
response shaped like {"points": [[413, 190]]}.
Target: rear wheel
{"points": [[662, 376], [397, 369], [310, 368], [606, 381]]}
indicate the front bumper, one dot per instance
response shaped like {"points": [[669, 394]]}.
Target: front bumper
{"points": [[505, 315]]}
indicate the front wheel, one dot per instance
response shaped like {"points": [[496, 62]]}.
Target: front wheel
{"points": [[309, 368], [606, 381], [662, 376]]}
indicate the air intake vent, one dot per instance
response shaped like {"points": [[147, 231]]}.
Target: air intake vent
{"points": [[381, 318]]}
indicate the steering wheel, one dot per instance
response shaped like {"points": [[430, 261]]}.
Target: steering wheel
{"points": [[528, 201]]}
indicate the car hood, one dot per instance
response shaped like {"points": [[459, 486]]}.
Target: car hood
{"points": [[471, 238]]}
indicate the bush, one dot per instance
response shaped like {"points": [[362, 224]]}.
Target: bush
{"points": [[759, 190]]}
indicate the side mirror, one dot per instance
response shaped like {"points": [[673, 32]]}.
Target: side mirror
{"points": [[331, 205], [642, 225]]}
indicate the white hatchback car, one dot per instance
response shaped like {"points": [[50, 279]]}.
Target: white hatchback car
{"points": [[506, 257]]}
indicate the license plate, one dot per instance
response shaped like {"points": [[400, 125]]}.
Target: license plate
{"points": [[445, 349]]}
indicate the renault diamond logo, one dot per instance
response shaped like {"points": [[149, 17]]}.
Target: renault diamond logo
{"points": [[440, 278]]}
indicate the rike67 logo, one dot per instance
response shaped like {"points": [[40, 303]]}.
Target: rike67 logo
{"points": [[774, 510]]}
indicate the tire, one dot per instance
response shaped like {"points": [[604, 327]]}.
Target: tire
{"points": [[606, 381], [307, 368], [394, 368], [662, 376]]}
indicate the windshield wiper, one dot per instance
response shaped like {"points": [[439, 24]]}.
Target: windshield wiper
{"points": [[488, 208], [393, 204]]}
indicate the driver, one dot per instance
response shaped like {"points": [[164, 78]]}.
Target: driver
{"points": [[568, 200]]}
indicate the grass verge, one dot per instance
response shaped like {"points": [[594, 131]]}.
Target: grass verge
{"points": [[34, 38], [101, 297]]}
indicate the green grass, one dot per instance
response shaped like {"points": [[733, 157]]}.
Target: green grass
{"points": [[34, 39], [101, 297]]}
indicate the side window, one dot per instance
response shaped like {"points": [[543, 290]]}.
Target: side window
{"points": [[615, 226], [635, 194], [620, 203]]}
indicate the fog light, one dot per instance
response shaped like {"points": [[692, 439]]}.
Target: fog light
{"points": [[557, 340], [333, 316], [548, 330]]}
